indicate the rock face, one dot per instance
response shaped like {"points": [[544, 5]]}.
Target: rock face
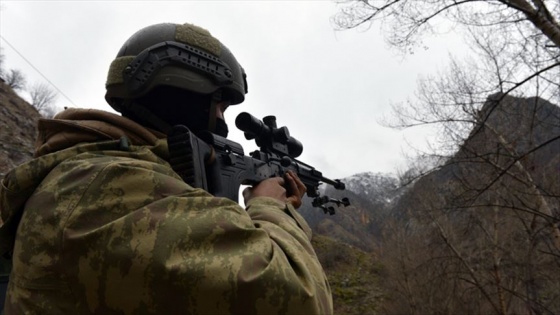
{"points": [[488, 216], [518, 136], [18, 129]]}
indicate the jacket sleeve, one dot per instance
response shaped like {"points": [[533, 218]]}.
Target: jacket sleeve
{"points": [[138, 239]]}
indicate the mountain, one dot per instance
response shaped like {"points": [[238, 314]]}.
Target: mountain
{"points": [[514, 126], [479, 234], [512, 155], [371, 197], [377, 188], [484, 224]]}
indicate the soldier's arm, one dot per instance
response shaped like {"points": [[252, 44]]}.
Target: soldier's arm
{"points": [[172, 248]]}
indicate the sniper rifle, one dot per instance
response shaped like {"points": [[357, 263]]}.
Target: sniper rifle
{"points": [[219, 166]]}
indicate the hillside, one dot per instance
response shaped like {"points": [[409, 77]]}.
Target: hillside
{"points": [[354, 276], [480, 235], [18, 121]]}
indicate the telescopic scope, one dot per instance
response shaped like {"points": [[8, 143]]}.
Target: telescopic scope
{"points": [[268, 136]]}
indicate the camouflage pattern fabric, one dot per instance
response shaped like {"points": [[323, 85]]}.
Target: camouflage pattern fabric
{"points": [[107, 228]]}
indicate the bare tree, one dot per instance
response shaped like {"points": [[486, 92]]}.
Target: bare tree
{"points": [[478, 236], [406, 21], [497, 217], [43, 98], [491, 242], [15, 79], [521, 37]]}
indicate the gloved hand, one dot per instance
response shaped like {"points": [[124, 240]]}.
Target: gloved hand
{"points": [[289, 189]]}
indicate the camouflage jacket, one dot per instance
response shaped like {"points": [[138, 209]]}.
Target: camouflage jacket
{"points": [[100, 226]]}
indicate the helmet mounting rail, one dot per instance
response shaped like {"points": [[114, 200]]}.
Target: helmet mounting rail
{"points": [[144, 66]]}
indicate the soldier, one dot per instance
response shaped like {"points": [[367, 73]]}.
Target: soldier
{"points": [[99, 223]]}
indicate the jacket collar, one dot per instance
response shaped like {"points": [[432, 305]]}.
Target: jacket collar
{"points": [[73, 126]]}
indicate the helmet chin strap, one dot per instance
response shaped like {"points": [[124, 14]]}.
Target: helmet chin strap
{"points": [[216, 99]]}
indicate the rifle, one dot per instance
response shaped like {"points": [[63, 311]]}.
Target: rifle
{"points": [[219, 166]]}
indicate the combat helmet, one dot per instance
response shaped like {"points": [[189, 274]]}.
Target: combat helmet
{"points": [[182, 56]]}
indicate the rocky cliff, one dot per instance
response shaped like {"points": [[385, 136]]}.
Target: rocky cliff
{"points": [[18, 122]]}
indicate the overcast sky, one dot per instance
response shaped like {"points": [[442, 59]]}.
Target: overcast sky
{"points": [[330, 88]]}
